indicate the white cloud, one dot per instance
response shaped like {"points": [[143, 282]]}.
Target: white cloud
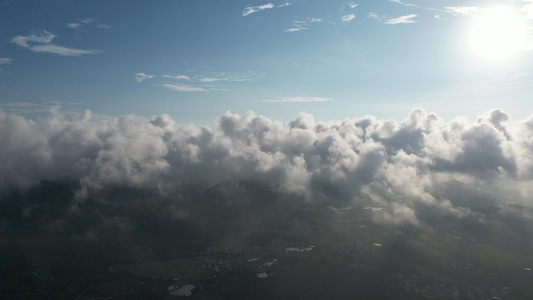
{"points": [[74, 25], [184, 88], [298, 99], [139, 77], [302, 25], [353, 5], [408, 19], [461, 10], [295, 29], [348, 18], [83, 22], [41, 41], [285, 4], [528, 8], [373, 15], [399, 167], [179, 77], [5, 61], [253, 9], [223, 76]]}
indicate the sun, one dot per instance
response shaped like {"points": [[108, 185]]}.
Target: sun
{"points": [[498, 33]]}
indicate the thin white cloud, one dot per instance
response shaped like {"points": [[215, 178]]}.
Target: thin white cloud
{"points": [[298, 99], [197, 83], [408, 19], [223, 76], [353, 5], [461, 10], [295, 29], [41, 41], [285, 4], [5, 61], [184, 88], [139, 77], [348, 18], [373, 15], [302, 25], [84, 22], [253, 9], [74, 25], [179, 77]]}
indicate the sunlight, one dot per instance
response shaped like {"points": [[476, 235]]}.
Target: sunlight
{"points": [[498, 33]]}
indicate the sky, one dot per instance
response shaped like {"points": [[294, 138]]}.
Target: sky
{"points": [[195, 60], [379, 102]]}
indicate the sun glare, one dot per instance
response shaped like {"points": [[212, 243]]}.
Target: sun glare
{"points": [[497, 34]]}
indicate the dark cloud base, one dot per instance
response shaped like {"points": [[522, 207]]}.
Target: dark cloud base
{"points": [[425, 207]]}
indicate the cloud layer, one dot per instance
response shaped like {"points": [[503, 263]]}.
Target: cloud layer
{"points": [[399, 167]]}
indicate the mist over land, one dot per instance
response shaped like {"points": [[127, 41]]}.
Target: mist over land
{"points": [[360, 208]]}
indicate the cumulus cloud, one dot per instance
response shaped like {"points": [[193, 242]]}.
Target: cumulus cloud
{"points": [[41, 41], [403, 168]]}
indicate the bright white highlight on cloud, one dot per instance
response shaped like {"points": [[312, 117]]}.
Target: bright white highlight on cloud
{"points": [[408, 19], [498, 33], [41, 41], [298, 99]]}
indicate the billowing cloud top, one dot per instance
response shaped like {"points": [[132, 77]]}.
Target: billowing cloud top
{"points": [[363, 158]]}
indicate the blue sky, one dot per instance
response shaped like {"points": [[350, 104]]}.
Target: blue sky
{"points": [[196, 59]]}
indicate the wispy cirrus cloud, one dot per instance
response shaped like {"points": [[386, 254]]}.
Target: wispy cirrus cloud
{"points": [[184, 88], [253, 9], [407, 19], [41, 41], [297, 99], [302, 25], [179, 77], [404, 4], [5, 61], [83, 22], [461, 10], [223, 76], [196, 83]]}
